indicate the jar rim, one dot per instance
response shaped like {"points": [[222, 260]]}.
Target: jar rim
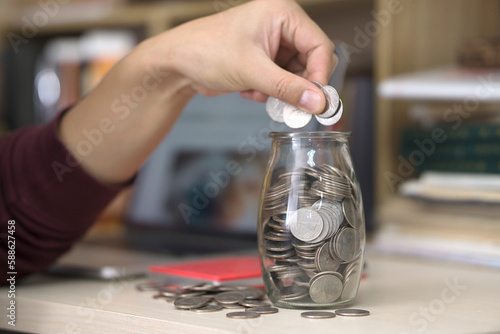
{"points": [[312, 134]]}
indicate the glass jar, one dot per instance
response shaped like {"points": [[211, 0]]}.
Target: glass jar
{"points": [[311, 229]]}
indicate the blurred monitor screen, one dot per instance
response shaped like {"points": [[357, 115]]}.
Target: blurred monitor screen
{"points": [[200, 189]]}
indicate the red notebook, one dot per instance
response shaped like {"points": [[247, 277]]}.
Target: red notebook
{"points": [[228, 271]]}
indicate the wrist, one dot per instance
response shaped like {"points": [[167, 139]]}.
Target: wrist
{"points": [[155, 69]]}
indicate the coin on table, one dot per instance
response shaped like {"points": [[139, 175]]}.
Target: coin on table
{"points": [[254, 303], [306, 224], [243, 315], [252, 293], [325, 288], [274, 108], [191, 302], [296, 118], [189, 294], [207, 308], [232, 306], [352, 312], [263, 310], [317, 315], [229, 297]]}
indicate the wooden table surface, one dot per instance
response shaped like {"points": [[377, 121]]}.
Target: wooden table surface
{"points": [[404, 295]]}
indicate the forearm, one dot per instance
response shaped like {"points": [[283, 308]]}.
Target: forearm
{"points": [[113, 130], [261, 48]]}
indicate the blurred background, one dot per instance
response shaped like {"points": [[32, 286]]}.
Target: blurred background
{"points": [[420, 93]]}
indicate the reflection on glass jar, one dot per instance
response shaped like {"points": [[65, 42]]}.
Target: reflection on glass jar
{"points": [[311, 222]]}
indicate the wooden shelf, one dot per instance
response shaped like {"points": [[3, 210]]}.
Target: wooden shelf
{"points": [[424, 35], [444, 84], [155, 17]]}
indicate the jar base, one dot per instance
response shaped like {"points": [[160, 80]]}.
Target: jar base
{"points": [[309, 306]]}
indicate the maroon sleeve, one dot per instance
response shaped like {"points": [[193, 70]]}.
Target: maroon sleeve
{"points": [[49, 199]]}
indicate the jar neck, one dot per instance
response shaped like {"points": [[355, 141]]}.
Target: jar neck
{"points": [[329, 136]]}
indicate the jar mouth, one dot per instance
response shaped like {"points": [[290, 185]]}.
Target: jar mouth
{"points": [[312, 134]]}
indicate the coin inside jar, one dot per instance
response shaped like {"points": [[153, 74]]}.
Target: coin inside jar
{"points": [[308, 240], [324, 261], [306, 224], [325, 288], [347, 244]]}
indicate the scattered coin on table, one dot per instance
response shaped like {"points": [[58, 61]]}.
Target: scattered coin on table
{"points": [[317, 315], [207, 308], [352, 312], [243, 315], [253, 300], [263, 310]]}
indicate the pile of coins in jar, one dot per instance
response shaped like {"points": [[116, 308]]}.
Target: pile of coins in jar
{"points": [[312, 236], [205, 297]]}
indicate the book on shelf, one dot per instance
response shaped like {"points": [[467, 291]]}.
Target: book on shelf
{"points": [[472, 147], [444, 215], [450, 83]]}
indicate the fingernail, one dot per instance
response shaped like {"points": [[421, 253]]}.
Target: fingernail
{"points": [[311, 101]]}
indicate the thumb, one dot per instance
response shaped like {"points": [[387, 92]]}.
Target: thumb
{"points": [[290, 88]]}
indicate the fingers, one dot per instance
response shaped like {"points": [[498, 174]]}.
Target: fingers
{"points": [[314, 49], [321, 62], [304, 54], [288, 87]]}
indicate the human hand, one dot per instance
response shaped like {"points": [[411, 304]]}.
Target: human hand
{"points": [[261, 48]]}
